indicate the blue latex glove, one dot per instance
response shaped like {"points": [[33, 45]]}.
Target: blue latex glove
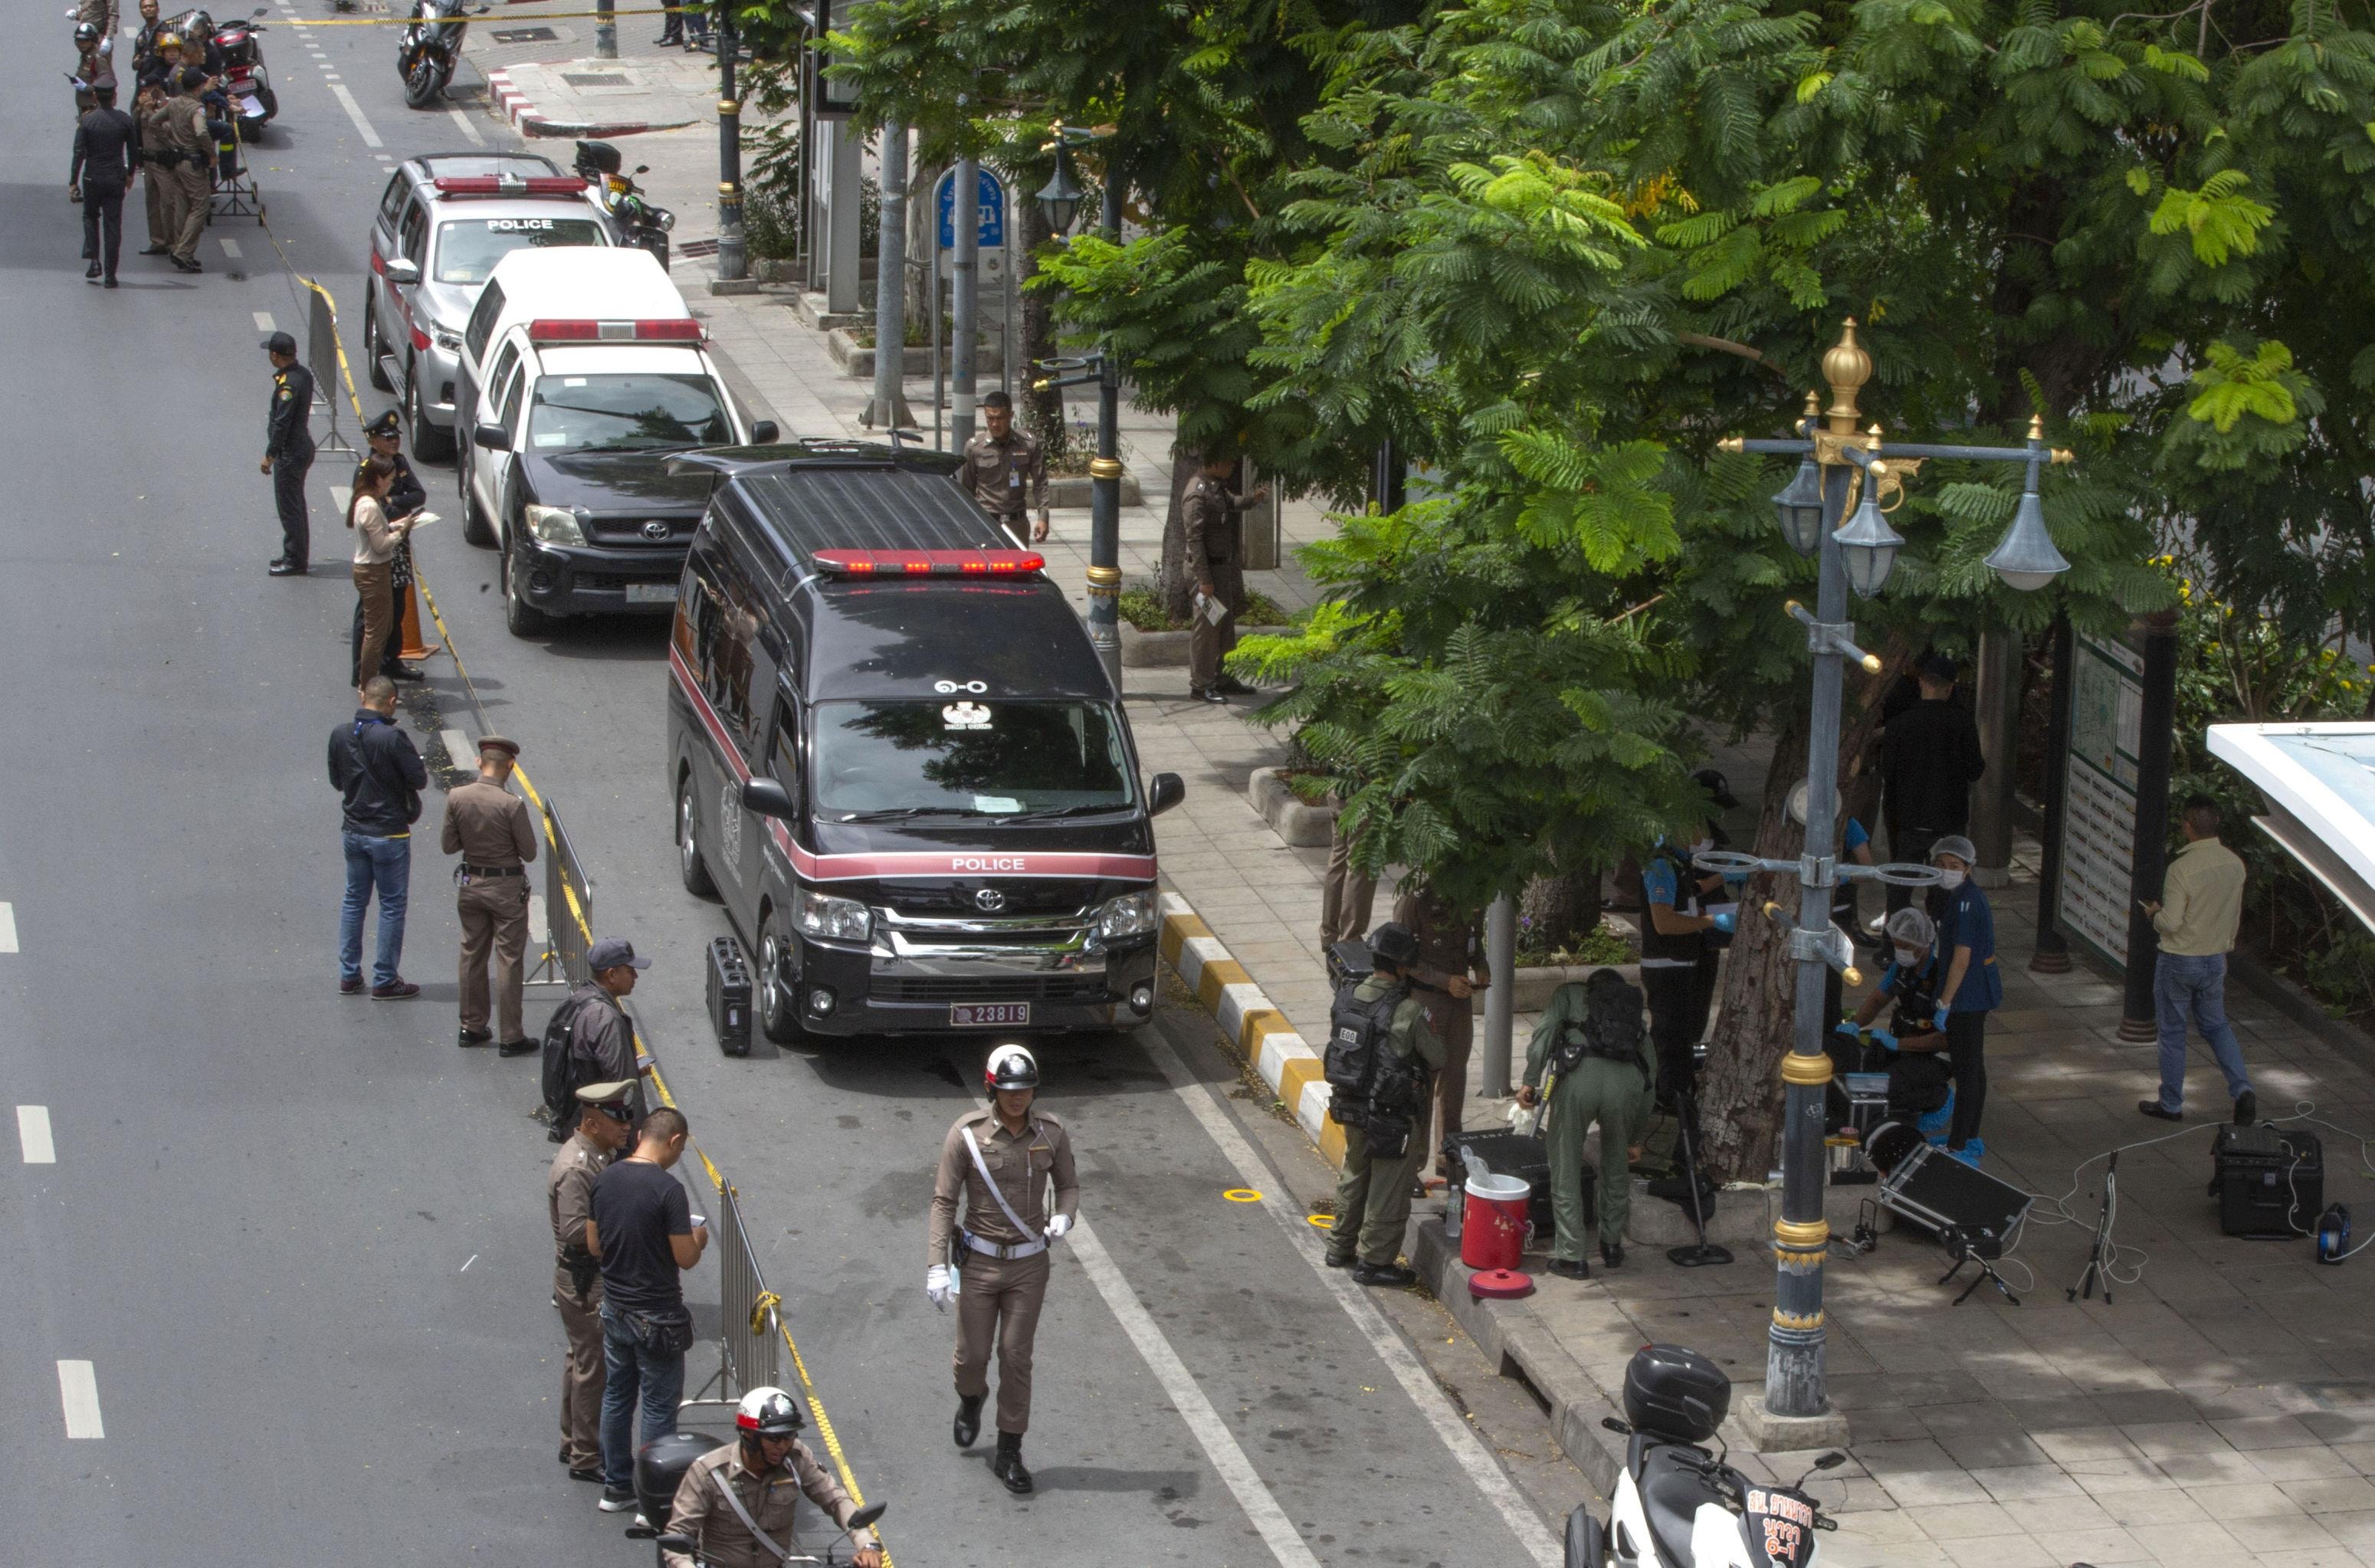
{"points": [[1848, 1029], [1885, 1038], [1938, 1019], [1727, 921]]}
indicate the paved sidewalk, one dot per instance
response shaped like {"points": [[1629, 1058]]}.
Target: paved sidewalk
{"points": [[2221, 1411]]}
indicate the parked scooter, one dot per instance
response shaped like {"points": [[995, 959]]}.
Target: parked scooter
{"points": [[634, 220], [245, 81], [1679, 1506], [430, 47]]}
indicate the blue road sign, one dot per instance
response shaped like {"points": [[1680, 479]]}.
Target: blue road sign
{"points": [[992, 226]]}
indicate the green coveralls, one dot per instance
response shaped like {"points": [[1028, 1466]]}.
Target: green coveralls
{"points": [[1594, 1090], [1373, 1197]]}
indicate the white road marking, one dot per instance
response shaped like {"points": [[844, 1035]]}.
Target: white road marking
{"points": [[78, 1391], [7, 927], [33, 1132], [465, 1268], [355, 112], [263, 320], [468, 129], [1457, 1435], [458, 749], [340, 495], [331, 76], [231, 247]]}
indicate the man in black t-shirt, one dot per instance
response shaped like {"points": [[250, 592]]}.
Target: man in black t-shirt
{"points": [[644, 1229]]}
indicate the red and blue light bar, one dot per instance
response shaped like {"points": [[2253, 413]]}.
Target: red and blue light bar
{"points": [[496, 186], [671, 329], [929, 563]]}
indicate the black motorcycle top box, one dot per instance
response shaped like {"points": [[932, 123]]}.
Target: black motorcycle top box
{"points": [[659, 1469], [1677, 1392]]}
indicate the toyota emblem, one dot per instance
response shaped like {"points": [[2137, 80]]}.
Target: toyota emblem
{"points": [[989, 900], [658, 528]]}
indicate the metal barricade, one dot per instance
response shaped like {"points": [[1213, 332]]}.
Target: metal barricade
{"points": [[748, 1337], [322, 358], [568, 901]]}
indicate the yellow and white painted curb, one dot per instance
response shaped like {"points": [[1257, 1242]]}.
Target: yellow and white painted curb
{"points": [[1246, 1014]]}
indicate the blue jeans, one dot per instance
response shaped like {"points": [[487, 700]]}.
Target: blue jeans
{"points": [[2194, 989], [629, 1368], [386, 863]]}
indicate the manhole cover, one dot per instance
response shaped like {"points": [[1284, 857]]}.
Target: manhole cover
{"points": [[593, 78], [525, 35]]}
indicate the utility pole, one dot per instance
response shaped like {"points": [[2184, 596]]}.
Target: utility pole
{"points": [[606, 28], [1104, 483], [887, 409], [964, 303], [733, 256]]}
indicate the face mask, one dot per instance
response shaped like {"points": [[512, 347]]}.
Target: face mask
{"points": [[1950, 881], [1907, 957]]}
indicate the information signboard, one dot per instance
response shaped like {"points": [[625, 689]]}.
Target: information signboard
{"points": [[2099, 822]]}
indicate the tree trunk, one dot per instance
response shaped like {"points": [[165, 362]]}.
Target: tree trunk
{"points": [[923, 244], [1739, 1096], [1043, 412], [1555, 911], [1175, 581]]}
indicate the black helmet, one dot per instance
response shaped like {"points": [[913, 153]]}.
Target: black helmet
{"points": [[1717, 785], [769, 1412], [86, 34], [1011, 1067], [1394, 943], [596, 157]]}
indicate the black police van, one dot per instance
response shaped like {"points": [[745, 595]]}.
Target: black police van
{"points": [[896, 757]]}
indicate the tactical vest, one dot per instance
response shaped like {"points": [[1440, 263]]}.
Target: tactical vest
{"points": [[1369, 1079], [1690, 945]]}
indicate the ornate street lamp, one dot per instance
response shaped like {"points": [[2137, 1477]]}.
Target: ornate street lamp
{"points": [[1060, 198]]}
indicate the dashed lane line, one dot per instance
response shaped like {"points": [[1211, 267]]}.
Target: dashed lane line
{"points": [[78, 1392], [458, 749], [263, 320], [229, 245], [33, 1132], [464, 122], [7, 927], [1467, 1449], [355, 112]]}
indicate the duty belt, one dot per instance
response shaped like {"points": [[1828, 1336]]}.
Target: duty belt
{"points": [[470, 870], [1007, 1253]]}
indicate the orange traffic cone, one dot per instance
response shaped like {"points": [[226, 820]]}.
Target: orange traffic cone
{"points": [[413, 650]]}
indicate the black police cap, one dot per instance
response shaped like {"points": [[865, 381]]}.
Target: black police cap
{"points": [[385, 425], [280, 342]]}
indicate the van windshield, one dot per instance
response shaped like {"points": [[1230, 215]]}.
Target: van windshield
{"points": [[624, 413], [967, 757], [468, 248]]}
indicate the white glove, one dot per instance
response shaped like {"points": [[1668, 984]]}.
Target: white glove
{"points": [[1058, 1226], [939, 1286]]}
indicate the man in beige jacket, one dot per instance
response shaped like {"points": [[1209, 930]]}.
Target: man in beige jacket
{"points": [[2201, 903]]}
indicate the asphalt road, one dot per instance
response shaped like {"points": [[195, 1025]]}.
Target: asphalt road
{"points": [[298, 1239]]}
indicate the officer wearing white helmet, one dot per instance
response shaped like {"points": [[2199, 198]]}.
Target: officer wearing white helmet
{"points": [[995, 1264], [737, 1506]]}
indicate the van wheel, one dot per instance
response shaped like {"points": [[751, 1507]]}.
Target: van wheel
{"points": [[428, 441], [688, 863], [521, 618], [475, 529], [375, 368], [779, 1013]]}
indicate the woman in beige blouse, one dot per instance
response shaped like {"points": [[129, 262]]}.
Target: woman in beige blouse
{"points": [[375, 542]]}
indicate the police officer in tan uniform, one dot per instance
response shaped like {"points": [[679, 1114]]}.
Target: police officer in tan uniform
{"points": [[738, 1504], [1006, 469], [1216, 556], [185, 126], [488, 826], [602, 1135], [1003, 1159], [1449, 970]]}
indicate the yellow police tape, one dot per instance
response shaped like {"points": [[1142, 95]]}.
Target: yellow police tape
{"points": [[577, 913]]}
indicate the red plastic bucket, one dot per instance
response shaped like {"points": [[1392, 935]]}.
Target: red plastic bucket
{"points": [[1493, 1227]]}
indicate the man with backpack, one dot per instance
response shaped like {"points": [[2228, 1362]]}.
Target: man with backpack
{"points": [[1592, 1047], [1380, 1056], [589, 1039]]}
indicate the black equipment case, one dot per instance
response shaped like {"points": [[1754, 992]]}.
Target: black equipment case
{"points": [[730, 997], [1521, 1155], [2269, 1180], [1349, 961]]}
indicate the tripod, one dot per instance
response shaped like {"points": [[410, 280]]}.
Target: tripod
{"points": [[1703, 1255], [1966, 1249], [2099, 1260]]}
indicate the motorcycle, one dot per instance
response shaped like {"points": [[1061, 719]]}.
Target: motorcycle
{"points": [[245, 81], [1679, 1506], [430, 46], [634, 221], [676, 1541]]}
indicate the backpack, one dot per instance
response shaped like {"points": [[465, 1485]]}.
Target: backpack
{"points": [[1371, 1080], [559, 1079], [1611, 1028]]}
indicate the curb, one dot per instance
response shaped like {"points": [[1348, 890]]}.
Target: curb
{"points": [[1247, 1014], [514, 107]]}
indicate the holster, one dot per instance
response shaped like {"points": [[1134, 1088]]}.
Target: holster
{"points": [[583, 1268]]}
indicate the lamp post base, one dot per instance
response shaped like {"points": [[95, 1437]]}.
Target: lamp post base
{"points": [[1770, 1433]]}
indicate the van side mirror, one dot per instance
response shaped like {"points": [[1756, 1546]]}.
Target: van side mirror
{"points": [[1164, 791], [403, 274], [494, 437], [764, 433], [768, 798]]}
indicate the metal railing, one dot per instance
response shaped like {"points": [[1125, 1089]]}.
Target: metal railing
{"points": [[749, 1332], [568, 901]]}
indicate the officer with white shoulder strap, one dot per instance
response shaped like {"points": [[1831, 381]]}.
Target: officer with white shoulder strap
{"points": [[1591, 1061], [737, 1506], [995, 1264]]}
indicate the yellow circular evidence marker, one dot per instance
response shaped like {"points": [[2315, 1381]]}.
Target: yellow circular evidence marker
{"points": [[1242, 1194], [1324, 1221]]}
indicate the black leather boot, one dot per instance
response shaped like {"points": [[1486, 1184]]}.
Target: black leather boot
{"points": [[968, 1422], [1008, 1465]]}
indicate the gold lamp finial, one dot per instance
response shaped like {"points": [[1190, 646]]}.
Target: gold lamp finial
{"points": [[2037, 427], [1847, 367]]}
